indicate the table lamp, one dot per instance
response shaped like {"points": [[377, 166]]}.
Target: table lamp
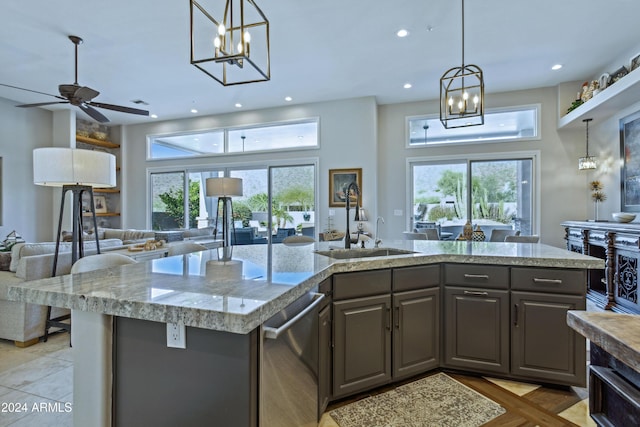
{"points": [[224, 189]]}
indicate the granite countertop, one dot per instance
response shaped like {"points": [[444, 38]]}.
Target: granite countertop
{"points": [[239, 295], [617, 334]]}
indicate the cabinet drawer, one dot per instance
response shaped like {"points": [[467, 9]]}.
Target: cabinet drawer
{"points": [[549, 280], [482, 276], [361, 284], [420, 277]]}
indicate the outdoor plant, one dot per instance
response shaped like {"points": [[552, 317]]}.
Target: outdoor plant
{"points": [[174, 204]]}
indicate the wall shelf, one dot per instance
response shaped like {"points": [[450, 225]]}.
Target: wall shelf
{"points": [[106, 190], [624, 93], [97, 142]]}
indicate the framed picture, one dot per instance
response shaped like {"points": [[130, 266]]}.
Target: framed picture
{"points": [[100, 203], [634, 62], [630, 155], [338, 180], [618, 74]]}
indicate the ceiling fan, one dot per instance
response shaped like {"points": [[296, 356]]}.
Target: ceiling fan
{"points": [[80, 96]]}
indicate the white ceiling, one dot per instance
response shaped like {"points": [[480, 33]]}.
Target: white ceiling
{"points": [[320, 50]]}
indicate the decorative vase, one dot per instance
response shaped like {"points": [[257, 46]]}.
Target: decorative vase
{"points": [[478, 234], [467, 231], [596, 216]]}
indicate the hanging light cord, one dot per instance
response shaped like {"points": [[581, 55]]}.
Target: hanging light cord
{"points": [[463, 34], [587, 122]]}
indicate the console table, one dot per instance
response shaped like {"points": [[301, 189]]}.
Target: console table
{"points": [[615, 288]]}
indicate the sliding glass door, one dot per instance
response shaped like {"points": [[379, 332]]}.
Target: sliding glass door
{"points": [[493, 194]]}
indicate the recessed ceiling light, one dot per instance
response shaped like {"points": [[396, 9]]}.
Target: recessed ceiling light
{"points": [[154, 116], [407, 86], [238, 105], [288, 98], [402, 33], [193, 110], [556, 67]]}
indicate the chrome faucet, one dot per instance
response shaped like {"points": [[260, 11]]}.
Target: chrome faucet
{"points": [[378, 241], [347, 193]]}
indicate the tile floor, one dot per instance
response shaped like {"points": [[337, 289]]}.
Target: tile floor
{"points": [[36, 385]]}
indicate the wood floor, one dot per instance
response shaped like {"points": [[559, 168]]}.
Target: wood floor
{"points": [[527, 405]]}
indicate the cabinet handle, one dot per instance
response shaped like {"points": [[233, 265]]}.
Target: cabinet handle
{"points": [[547, 281], [476, 276], [515, 314], [397, 317], [388, 318], [477, 293]]}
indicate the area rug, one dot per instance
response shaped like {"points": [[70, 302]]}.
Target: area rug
{"points": [[438, 400]]}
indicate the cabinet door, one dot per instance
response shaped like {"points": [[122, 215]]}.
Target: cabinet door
{"points": [[362, 344], [544, 347], [416, 332], [477, 329], [324, 359]]}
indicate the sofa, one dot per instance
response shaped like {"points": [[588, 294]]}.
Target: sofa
{"points": [[24, 323]]}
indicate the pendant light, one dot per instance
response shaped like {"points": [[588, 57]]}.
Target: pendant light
{"points": [[587, 162], [462, 94]]}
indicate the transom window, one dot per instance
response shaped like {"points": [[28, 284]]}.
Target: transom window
{"points": [[297, 135], [513, 124]]}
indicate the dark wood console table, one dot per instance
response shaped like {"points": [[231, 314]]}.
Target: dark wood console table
{"points": [[615, 288]]}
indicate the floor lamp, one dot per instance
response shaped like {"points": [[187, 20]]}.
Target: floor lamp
{"points": [[77, 171], [224, 189]]}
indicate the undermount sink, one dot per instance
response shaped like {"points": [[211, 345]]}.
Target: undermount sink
{"points": [[363, 252]]}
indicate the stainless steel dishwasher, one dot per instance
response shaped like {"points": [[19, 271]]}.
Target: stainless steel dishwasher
{"points": [[289, 365]]}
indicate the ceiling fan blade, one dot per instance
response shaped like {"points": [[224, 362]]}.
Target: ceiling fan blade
{"points": [[95, 114], [41, 104], [31, 90], [120, 108], [85, 94]]}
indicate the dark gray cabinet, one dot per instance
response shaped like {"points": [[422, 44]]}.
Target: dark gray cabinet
{"points": [[476, 333], [362, 343], [543, 346], [324, 359], [416, 332]]}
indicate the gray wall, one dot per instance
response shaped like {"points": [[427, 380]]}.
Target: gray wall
{"points": [[26, 208], [354, 133], [559, 153], [348, 134]]}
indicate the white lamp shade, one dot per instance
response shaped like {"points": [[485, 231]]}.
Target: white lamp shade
{"points": [[224, 187], [56, 167]]}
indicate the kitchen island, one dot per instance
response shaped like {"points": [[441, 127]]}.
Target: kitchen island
{"points": [[226, 300], [614, 372]]}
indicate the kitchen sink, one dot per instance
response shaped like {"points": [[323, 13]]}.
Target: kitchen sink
{"points": [[363, 253]]}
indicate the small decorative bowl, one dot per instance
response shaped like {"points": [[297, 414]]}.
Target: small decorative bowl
{"points": [[99, 135], [623, 216]]}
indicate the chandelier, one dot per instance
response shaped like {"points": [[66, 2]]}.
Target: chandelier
{"points": [[587, 162], [230, 41], [462, 94]]}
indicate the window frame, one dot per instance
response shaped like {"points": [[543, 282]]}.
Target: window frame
{"points": [[535, 107], [225, 169], [534, 155], [226, 129]]}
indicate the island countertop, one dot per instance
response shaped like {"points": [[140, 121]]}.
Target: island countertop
{"points": [[240, 294], [617, 334]]}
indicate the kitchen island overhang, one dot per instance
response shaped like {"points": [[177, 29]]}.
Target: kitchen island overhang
{"points": [[181, 289]]}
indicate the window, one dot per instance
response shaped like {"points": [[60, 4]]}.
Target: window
{"points": [[492, 193], [260, 138], [273, 197], [513, 124]]}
